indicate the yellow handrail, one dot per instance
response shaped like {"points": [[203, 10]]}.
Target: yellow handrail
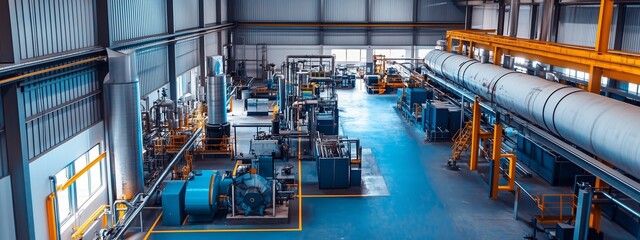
{"points": [[51, 217], [79, 231], [82, 172]]}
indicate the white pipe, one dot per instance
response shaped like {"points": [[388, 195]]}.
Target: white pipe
{"points": [[602, 126]]}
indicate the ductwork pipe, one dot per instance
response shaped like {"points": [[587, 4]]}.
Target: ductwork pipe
{"points": [[602, 126], [124, 124], [216, 95]]}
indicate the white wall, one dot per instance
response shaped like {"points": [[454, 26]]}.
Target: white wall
{"points": [[7, 224], [51, 163]]}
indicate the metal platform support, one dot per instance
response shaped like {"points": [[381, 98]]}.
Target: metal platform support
{"points": [[497, 155], [476, 134], [585, 195]]}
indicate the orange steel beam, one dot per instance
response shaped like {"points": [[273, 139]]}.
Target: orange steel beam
{"points": [[612, 63], [602, 43], [292, 24]]}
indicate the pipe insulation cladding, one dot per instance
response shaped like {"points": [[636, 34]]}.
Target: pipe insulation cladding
{"points": [[605, 127], [216, 95], [124, 124]]}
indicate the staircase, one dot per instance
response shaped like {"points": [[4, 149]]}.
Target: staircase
{"points": [[461, 141]]}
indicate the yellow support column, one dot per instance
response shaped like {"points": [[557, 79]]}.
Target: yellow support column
{"points": [[471, 49], [449, 43], [602, 43], [497, 154], [497, 56], [475, 135]]}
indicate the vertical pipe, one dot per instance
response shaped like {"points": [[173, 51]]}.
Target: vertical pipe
{"points": [[514, 13], [124, 123], [273, 191], [547, 9]]}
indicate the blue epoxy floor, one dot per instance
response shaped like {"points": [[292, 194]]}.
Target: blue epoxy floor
{"points": [[427, 201]]}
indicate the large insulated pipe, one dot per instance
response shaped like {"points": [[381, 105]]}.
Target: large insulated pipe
{"points": [[602, 126], [124, 124], [514, 13], [216, 95]]}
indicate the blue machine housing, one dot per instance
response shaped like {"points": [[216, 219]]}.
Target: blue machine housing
{"points": [[440, 120], [201, 197], [265, 166], [253, 194], [173, 203]]}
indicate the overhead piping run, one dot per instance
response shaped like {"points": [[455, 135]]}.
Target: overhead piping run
{"points": [[132, 212], [602, 126]]}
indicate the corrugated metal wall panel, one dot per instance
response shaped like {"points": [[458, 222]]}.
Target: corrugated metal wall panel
{"points": [[341, 37], [391, 11], [631, 37], [211, 44], [59, 105], [210, 11], [392, 37], [578, 25], [224, 16], [134, 19], [186, 14], [46, 27], [153, 68], [345, 11], [429, 37], [277, 10], [186, 56], [277, 36], [524, 22], [439, 11], [484, 17]]}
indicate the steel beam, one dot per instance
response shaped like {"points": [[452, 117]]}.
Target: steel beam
{"points": [[18, 164], [501, 12], [602, 43], [495, 163], [8, 30]]}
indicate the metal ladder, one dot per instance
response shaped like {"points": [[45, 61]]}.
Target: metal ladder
{"points": [[461, 141]]}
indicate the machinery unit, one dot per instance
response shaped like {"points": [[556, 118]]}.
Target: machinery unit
{"points": [[236, 194], [201, 196], [174, 192], [338, 162], [554, 169], [374, 84], [440, 120], [257, 107], [410, 102]]}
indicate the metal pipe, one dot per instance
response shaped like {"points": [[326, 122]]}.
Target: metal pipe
{"points": [[621, 204], [602, 126], [513, 18], [273, 200], [130, 216], [124, 123]]}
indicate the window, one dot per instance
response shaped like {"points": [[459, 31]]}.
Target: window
{"points": [[350, 55], [391, 53], [75, 196], [423, 52], [633, 88]]}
